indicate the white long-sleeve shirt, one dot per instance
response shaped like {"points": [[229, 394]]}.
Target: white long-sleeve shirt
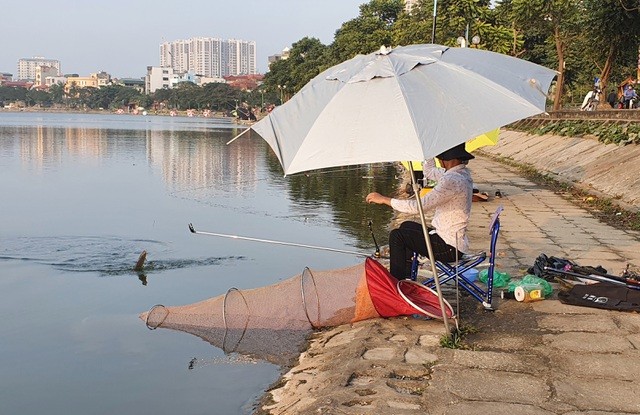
{"points": [[450, 198]]}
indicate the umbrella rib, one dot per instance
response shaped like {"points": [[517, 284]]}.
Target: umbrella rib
{"points": [[275, 136]]}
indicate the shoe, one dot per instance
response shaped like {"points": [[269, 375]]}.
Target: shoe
{"points": [[480, 197]]}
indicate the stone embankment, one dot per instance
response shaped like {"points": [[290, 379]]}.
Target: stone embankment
{"points": [[609, 170], [539, 358]]}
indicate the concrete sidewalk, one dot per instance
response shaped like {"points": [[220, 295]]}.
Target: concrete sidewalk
{"points": [[525, 358]]}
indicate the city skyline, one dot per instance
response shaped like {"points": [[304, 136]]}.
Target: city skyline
{"points": [[124, 38]]}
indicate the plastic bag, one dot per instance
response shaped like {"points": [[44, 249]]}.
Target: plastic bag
{"points": [[500, 279], [547, 289]]}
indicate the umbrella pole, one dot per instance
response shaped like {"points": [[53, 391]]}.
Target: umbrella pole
{"points": [[425, 231]]}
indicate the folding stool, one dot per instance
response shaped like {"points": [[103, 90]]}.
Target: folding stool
{"points": [[451, 271]]}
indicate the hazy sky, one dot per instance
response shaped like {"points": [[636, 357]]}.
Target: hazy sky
{"points": [[122, 37]]}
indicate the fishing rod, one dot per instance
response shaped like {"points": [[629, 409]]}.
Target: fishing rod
{"points": [[611, 279], [246, 238], [377, 253]]}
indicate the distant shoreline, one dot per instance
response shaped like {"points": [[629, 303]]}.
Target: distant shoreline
{"points": [[182, 113]]}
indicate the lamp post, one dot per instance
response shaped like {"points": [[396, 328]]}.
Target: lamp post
{"points": [[282, 89], [433, 28]]}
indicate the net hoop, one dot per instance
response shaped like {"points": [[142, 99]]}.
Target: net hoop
{"points": [[224, 320], [438, 314], [308, 272], [151, 310]]}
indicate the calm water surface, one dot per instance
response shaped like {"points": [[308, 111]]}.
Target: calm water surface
{"points": [[82, 195]]}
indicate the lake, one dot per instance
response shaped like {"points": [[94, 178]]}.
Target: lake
{"points": [[82, 195]]}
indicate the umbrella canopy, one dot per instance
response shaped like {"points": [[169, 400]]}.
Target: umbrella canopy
{"points": [[406, 103]]}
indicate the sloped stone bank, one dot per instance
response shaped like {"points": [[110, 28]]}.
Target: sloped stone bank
{"points": [[608, 169]]}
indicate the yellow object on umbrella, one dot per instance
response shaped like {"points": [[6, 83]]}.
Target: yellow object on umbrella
{"points": [[483, 140], [486, 139]]}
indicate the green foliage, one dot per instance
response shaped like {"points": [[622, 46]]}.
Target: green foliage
{"points": [[373, 28], [307, 58], [621, 133], [37, 97], [456, 339], [10, 94]]}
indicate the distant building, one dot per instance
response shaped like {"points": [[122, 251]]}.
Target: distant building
{"points": [[5, 77], [207, 80], [80, 82], [53, 80], [18, 84], [158, 78], [103, 78], [42, 72], [166, 78], [279, 56], [135, 83], [245, 82], [210, 57], [95, 80], [27, 67]]}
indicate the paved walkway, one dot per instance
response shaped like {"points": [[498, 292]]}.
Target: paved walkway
{"points": [[525, 358]]}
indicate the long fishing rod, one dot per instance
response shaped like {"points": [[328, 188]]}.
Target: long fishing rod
{"points": [[612, 279], [246, 238], [377, 253]]}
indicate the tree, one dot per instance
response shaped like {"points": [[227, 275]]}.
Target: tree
{"points": [[559, 20], [219, 97], [37, 97], [12, 94], [617, 35], [457, 18], [56, 91], [369, 31], [307, 58]]}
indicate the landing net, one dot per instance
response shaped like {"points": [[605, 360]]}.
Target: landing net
{"points": [[273, 322]]}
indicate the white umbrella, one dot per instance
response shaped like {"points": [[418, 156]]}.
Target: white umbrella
{"points": [[406, 103]]}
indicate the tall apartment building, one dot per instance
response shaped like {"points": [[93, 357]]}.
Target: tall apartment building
{"points": [[27, 67], [210, 57]]}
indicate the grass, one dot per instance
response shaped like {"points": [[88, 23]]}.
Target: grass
{"points": [[456, 339]]}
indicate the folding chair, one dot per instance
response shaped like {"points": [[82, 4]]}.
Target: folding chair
{"points": [[452, 271]]}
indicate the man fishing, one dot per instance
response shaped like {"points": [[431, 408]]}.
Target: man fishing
{"points": [[451, 201]]}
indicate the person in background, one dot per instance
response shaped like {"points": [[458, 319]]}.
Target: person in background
{"points": [[451, 201], [629, 96], [612, 98]]}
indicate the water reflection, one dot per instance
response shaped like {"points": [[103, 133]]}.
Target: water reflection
{"points": [[344, 190], [195, 162], [198, 164]]}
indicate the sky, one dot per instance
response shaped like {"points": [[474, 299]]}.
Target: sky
{"points": [[123, 37]]}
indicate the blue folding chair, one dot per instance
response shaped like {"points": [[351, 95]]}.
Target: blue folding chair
{"points": [[451, 271]]}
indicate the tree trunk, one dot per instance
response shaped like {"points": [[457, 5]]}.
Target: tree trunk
{"points": [[557, 98], [606, 70]]}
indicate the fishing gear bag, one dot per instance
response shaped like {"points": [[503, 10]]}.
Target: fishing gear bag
{"points": [[602, 295], [562, 264]]}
